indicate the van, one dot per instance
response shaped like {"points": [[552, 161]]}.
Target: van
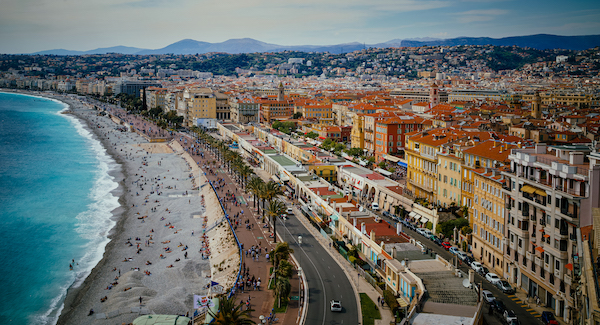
{"points": [[375, 206]]}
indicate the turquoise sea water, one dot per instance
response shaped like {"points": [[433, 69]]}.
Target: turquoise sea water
{"points": [[55, 204]]}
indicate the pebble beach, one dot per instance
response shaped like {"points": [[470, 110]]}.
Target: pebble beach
{"points": [[168, 243]]}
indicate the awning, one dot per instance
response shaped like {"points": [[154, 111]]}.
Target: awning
{"points": [[424, 219], [528, 189], [539, 249], [569, 266], [391, 158], [546, 236], [275, 178], [401, 302], [412, 214], [540, 192], [284, 177]]}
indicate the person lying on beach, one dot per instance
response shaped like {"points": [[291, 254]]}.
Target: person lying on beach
{"points": [[177, 260], [170, 266], [103, 299], [126, 289], [148, 263]]}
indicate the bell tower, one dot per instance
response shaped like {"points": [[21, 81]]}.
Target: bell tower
{"points": [[434, 94], [280, 92], [536, 106]]}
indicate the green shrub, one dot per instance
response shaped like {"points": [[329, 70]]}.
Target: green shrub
{"points": [[390, 300]]}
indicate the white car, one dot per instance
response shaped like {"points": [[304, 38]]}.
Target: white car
{"points": [[461, 255], [336, 305], [493, 278], [290, 211], [375, 206], [476, 266], [488, 296]]}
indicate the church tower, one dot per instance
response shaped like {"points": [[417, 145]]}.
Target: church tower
{"points": [[434, 94], [536, 111], [280, 92]]}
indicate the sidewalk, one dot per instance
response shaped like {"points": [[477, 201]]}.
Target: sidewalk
{"points": [[261, 300], [530, 306]]}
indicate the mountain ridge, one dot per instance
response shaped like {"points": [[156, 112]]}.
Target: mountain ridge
{"points": [[249, 45]]}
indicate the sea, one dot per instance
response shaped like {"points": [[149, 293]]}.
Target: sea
{"points": [[56, 198]]}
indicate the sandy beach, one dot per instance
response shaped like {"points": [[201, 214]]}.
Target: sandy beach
{"points": [[157, 258]]}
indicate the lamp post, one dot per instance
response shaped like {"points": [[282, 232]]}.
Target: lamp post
{"points": [[299, 289], [299, 245]]}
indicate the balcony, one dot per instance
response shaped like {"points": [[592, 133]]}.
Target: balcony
{"points": [[421, 186]]}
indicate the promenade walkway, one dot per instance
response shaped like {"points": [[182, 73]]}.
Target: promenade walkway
{"points": [[250, 232]]}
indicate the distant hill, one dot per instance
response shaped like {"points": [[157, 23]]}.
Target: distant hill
{"points": [[249, 45], [539, 41]]}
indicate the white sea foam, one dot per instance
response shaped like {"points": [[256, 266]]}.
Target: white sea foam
{"points": [[93, 225]]}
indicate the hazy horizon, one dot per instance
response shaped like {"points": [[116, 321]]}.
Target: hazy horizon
{"points": [[39, 25]]}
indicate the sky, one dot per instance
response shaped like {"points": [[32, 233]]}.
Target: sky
{"points": [[28, 26]]}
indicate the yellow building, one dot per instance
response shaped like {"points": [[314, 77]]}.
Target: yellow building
{"points": [[322, 113], [357, 135], [449, 177], [488, 219], [200, 103], [421, 156], [326, 171]]}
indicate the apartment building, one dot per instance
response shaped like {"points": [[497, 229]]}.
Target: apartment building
{"points": [[488, 219], [449, 177], [549, 197]]}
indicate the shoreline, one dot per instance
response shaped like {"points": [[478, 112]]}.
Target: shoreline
{"points": [[168, 289]]}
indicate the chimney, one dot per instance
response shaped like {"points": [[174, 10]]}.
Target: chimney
{"points": [[363, 228], [495, 144], [398, 228], [393, 251], [372, 235], [354, 222]]}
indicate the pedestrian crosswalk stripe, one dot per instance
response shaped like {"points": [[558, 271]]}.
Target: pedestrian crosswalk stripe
{"points": [[524, 305], [510, 296], [529, 309], [537, 315]]}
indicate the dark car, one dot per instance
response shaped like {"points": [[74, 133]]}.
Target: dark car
{"points": [[468, 260], [437, 241], [548, 318], [498, 306], [483, 271]]}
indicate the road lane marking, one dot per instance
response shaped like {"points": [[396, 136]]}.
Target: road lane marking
{"points": [[529, 309]]}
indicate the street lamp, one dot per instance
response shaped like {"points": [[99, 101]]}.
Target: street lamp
{"points": [[299, 245], [299, 286]]}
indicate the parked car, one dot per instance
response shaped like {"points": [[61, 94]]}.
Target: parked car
{"points": [[461, 255], [509, 316], [493, 278], [375, 206], [468, 260], [446, 245], [505, 287], [483, 271], [488, 296], [548, 318], [336, 305], [290, 211], [437, 241], [498, 306], [476, 266], [453, 250]]}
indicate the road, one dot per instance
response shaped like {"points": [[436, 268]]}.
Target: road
{"points": [[326, 280], [522, 314]]}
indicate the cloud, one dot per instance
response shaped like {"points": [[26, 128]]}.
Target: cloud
{"points": [[481, 15]]}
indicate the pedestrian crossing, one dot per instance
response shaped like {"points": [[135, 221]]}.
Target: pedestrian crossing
{"points": [[524, 305]]}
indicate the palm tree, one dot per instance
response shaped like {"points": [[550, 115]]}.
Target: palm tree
{"points": [[230, 314], [255, 186], [245, 171], [281, 253], [282, 289], [275, 209]]}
